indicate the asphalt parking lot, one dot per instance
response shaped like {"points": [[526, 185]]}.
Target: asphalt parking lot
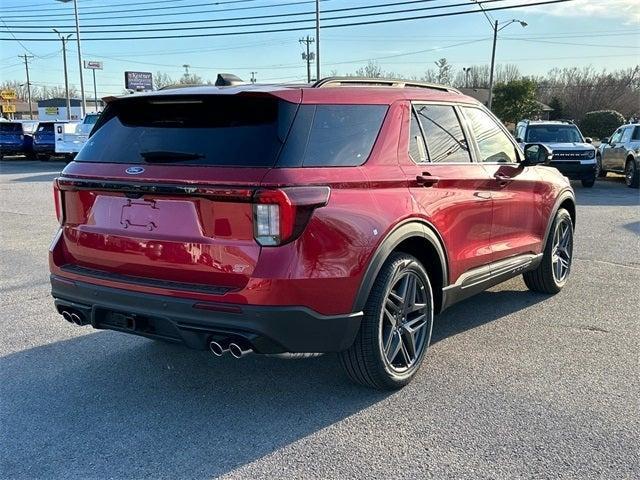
{"points": [[515, 385]]}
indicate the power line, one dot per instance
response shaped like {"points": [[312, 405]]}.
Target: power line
{"points": [[111, 16], [83, 7], [285, 22], [342, 25]]}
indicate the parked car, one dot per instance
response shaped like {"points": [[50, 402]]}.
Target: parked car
{"points": [[573, 155], [15, 139], [44, 140], [621, 154], [71, 136], [338, 217]]}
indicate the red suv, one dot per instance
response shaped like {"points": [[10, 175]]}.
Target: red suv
{"points": [[334, 217]]}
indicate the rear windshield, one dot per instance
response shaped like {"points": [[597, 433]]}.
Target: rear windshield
{"points": [[90, 119], [214, 130], [45, 127], [10, 127], [233, 131], [553, 134]]}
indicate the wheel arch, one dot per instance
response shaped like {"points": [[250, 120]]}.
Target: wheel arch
{"points": [[567, 201], [416, 237]]}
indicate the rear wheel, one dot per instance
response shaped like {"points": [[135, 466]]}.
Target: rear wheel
{"points": [[396, 328], [552, 273], [631, 174]]}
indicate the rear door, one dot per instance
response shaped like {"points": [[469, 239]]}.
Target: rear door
{"points": [[517, 225], [450, 190], [161, 192], [614, 157]]}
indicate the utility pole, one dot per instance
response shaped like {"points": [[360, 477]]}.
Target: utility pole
{"points": [[317, 40], [186, 69], [467, 71], [253, 77], [66, 78], [26, 58], [309, 56], [493, 63]]}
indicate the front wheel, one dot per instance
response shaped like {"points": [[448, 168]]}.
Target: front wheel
{"points": [[588, 183], [631, 174], [396, 328], [600, 173], [552, 273]]}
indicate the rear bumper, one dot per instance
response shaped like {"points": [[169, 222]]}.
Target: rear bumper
{"points": [[576, 170], [11, 149], [268, 329]]}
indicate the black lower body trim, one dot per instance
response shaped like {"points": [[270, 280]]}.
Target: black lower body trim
{"points": [[268, 329], [576, 170]]}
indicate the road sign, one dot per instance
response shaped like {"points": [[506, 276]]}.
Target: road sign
{"points": [[8, 109], [92, 65], [8, 94], [138, 81]]}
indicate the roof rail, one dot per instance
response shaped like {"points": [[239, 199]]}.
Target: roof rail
{"points": [[378, 82]]}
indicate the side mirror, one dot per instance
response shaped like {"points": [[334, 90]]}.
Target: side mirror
{"points": [[536, 154], [519, 140], [588, 140], [605, 140]]}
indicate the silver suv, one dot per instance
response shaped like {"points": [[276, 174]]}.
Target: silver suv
{"points": [[620, 153], [573, 154]]}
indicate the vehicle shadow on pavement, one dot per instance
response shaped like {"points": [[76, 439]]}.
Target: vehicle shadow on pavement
{"points": [[30, 166], [617, 193], [481, 309], [108, 405]]}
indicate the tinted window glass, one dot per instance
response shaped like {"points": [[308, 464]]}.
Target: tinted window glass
{"points": [[417, 149], [553, 134], [626, 134], [211, 130], [617, 136], [636, 134], [444, 137], [342, 135], [45, 127], [90, 119], [7, 127], [494, 144]]}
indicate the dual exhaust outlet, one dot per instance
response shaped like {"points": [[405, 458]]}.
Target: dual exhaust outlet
{"points": [[73, 317], [236, 350]]}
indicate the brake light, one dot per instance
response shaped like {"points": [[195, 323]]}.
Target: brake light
{"points": [[280, 215], [58, 200]]}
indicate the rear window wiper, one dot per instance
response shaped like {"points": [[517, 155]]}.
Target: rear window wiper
{"points": [[169, 156]]}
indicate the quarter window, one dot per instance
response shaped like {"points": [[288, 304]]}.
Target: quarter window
{"points": [[494, 144], [417, 149], [443, 134]]}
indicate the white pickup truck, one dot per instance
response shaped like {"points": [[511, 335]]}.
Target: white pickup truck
{"points": [[71, 136]]}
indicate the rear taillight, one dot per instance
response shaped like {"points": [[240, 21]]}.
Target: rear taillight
{"points": [[58, 200], [280, 215]]}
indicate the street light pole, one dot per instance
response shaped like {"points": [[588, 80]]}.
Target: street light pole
{"points": [[66, 77], [317, 40], [82, 95]]}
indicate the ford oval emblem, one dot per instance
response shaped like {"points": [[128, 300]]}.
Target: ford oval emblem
{"points": [[134, 170]]}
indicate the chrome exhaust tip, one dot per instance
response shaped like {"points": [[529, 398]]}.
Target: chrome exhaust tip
{"points": [[75, 318], [217, 349], [67, 316], [237, 351]]}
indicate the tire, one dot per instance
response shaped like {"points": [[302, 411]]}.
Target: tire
{"points": [[631, 174], [588, 183], [545, 278], [367, 360], [600, 173]]}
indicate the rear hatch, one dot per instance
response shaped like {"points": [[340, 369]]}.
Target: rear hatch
{"points": [[161, 193]]}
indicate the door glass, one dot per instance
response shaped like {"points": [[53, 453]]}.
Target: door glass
{"points": [[626, 135], [444, 137], [417, 149], [636, 134], [616, 136], [494, 144]]}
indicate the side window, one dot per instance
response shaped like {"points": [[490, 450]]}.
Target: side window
{"points": [[494, 144], [443, 134], [520, 132], [617, 136], [417, 149], [636, 134], [626, 135]]}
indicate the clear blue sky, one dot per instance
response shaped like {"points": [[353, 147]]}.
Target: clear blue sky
{"points": [[603, 33]]}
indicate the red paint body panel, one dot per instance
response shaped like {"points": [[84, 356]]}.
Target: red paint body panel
{"points": [[205, 241]]}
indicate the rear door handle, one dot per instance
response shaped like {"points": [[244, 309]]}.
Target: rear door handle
{"points": [[426, 179]]}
